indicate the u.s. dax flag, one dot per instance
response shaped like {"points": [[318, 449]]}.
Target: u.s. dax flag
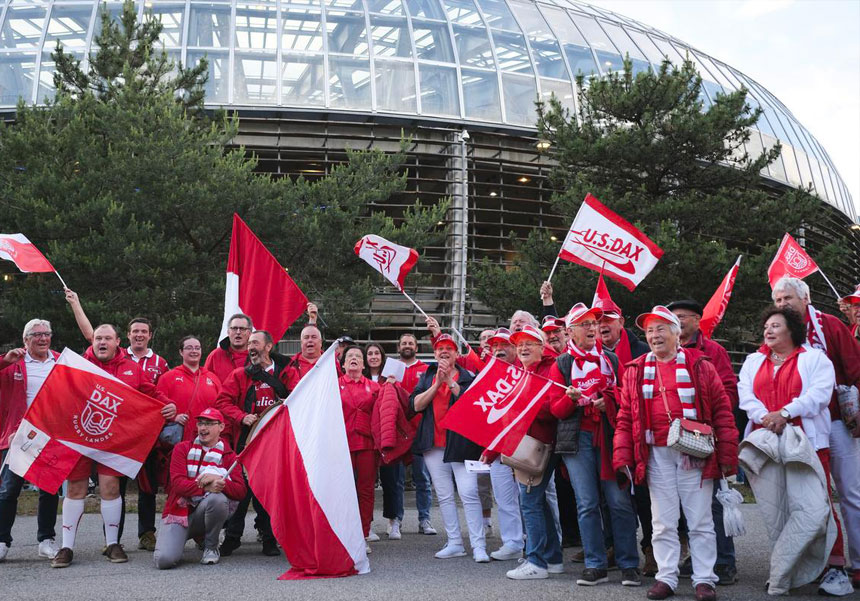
{"points": [[83, 410], [391, 260], [18, 249], [790, 261], [498, 407], [602, 240]]}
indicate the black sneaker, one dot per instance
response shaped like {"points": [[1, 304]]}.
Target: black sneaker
{"points": [[270, 547], [631, 577], [230, 544], [727, 574], [592, 577], [686, 570]]}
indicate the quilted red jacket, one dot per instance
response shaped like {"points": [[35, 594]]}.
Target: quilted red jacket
{"points": [[392, 431]]}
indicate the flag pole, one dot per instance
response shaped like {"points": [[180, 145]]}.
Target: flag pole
{"points": [[552, 271], [826, 279], [61, 280], [411, 300]]}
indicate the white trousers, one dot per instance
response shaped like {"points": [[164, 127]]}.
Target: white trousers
{"points": [[845, 467], [669, 484], [443, 476], [507, 494]]}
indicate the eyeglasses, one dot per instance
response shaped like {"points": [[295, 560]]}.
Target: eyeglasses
{"points": [[587, 324], [527, 344], [40, 334], [684, 317], [191, 348], [238, 329]]}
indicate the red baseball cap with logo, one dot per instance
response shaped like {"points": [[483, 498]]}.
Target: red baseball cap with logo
{"points": [[658, 312], [444, 339], [502, 335], [853, 298], [551, 323], [528, 332], [579, 312], [211, 413]]}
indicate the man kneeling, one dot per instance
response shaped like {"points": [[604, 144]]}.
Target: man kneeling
{"points": [[202, 495]]}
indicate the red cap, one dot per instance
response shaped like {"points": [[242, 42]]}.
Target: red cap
{"points": [[211, 413], [610, 309], [579, 312], [529, 332], [444, 339], [853, 298], [501, 335], [658, 312], [551, 323]]}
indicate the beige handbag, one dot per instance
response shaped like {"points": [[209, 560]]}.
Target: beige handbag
{"points": [[529, 461]]}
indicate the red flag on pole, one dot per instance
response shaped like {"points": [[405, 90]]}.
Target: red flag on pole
{"points": [[391, 260], [714, 311], [603, 301], [18, 249], [258, 286], [602, 240], [790, 260]]}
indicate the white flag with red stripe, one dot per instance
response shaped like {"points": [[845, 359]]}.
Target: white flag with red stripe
{"points": [[18, 249], [391, 260], [602, 240], [715, 310]]}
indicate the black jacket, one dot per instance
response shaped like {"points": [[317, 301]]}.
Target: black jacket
{"points": [[457, 447], [637, 347]]}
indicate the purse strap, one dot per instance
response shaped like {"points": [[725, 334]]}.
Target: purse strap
{"points": [[663, 393]]}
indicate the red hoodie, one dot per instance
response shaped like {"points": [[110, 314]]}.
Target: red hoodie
{"points": [[191, 391], [358, 399], [222, 361]]}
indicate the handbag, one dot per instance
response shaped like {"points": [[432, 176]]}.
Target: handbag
{"points": [[529, 461], [687, 435]]}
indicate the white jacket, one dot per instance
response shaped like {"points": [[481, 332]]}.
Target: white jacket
{"points": [[819, 379]]}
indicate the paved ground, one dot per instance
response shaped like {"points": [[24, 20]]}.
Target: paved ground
{"points": [[403, 569]]}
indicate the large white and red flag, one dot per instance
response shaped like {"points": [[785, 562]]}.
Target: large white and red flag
{"points": [[790, 260], [83, 410], [498, 407], [18, 249], [714, 311], [258, 286], [391, 260], [299, 467], [604, 241]]}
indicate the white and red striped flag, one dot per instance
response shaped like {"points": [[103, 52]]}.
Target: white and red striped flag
{"points": [[602, 240], [391, 260], [299, 467], [790, 260], [18, 249], [715, 310], [258, 286], [83, 410]]}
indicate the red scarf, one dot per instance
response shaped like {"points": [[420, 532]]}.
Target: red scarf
{"points": [[440, 407], [776, 388], [198, 460], [622, 349]]}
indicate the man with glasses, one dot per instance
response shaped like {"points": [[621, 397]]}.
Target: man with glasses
{"points": [[232, 352], [22, 373]]}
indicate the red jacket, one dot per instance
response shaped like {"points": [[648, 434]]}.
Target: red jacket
{"points": [[843, 350], [191, 391], [555, 403], [297, 368], [231, 401], [712, 407], [392, 431], [358, 399], [183, 486], [222, 361], [13, 398], [719, 357], [412, 375], [152, 364]]}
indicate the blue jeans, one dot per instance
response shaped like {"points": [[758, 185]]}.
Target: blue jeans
{"points": [[423, 492], [542, 541], [393, 479], [584, 470], [10, 488]]}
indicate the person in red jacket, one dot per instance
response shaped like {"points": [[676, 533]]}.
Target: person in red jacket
{"points": [[192, 387], [106, 354], [139, 337], [302, 362], [669, 383], [202, 493], [556, 336], [232, 352], [358, 395]]}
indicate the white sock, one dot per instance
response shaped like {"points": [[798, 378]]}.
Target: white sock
{"points": [[111, 514], [487, 522], [73, 509]]}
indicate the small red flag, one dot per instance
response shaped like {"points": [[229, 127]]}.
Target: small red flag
{"points": [[18, 249], [790, 260], [603, 301], [714, 311]]}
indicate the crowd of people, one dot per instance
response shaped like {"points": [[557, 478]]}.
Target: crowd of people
{"points": [[609, 427]]}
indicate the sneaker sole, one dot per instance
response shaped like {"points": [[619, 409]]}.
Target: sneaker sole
{"points": [[118, 560], [507, 557], [631, 583], [561, 571], [536, 577], [463, 554], [582, 582]]}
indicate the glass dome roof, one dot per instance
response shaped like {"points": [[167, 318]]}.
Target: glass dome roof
{"points": [[467, 61]]}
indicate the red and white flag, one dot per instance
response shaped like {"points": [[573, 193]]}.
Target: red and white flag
{"points": [[18, 249], [714, 311], [602, 240], [299, 467], [391, 260], [83, 410], [790, 260], [498, 407], [258, 286]]}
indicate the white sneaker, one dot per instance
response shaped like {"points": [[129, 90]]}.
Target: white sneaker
{"points": [[48, 548], [555, 568], [424, 527], [367, 549], [373, 537], [835, 583], [480, 555], [506, 553], [527, 571], [451, 550], [210, 557], [4, 551], [394, 530]]}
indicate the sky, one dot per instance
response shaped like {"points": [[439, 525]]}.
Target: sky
{"points": [[805, 52]]}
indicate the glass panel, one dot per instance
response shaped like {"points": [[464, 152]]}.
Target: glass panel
{"points": [[69, 25], [561, 89], [497, 15], [463, 12], [302, 31], [668, 50], [303, 81], [395, 87], [256, 27], [473, 47], [622, 41], [578, 54], [481, 95], [777, 168], [16, 77], [803, 163], [581, 60], [386, 7], [171, 17], [255, 79], [789, 160], [532, 21], [22, 27], [300, 4], [216, 85], [609, 62], [209, 25], [432, 41], [346, 4], [439, 94], [594, 34], [349, 83], [520, 96], [646, 45], [430, 9], [346, 33], [511, 52], [390, 37], [545, 49]]}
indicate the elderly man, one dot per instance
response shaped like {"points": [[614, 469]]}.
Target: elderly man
{"points": [[556, 335], [232, 352], [828, 333], [850, 306], [22, 372], [245, 394], [618, 339], [201, 493]]}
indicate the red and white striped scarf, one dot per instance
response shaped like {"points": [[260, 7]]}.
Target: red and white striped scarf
{"points": [[686, 391], [815, 328], [199, 460], [591, 371]]}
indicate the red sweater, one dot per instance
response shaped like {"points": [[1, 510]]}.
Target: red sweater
{"points": [[358, 398], [191, 391], [222, 362], [719, 357], [843, 350], [13, 398], [183, 486]]}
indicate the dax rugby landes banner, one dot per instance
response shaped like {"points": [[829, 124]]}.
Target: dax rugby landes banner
{"points": [[602, 240]]}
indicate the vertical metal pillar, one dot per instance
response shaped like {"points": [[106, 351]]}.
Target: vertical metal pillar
{"points": [[458, 217]]}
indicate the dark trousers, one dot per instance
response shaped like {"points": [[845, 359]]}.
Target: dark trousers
{"points": [[10, 489], [235, 524], [642, 500]]}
